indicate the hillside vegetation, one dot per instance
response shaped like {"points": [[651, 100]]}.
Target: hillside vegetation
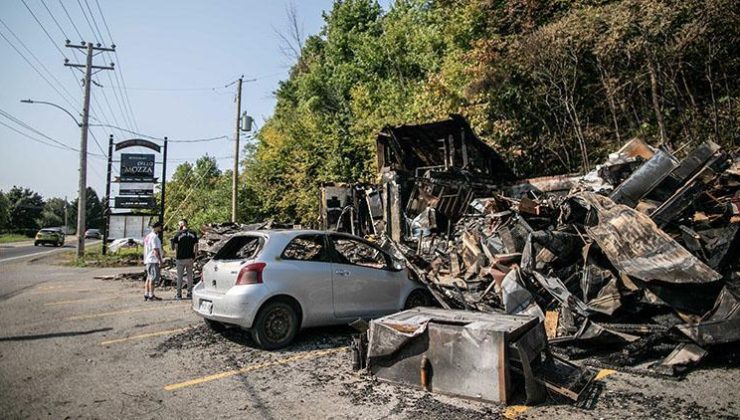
{"points": [[554, 86]]}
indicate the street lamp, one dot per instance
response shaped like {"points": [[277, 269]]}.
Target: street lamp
{"points": [[31, 101], [81, 206]]}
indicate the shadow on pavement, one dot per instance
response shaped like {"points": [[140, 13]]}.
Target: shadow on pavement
{"points": [[53, 335]]}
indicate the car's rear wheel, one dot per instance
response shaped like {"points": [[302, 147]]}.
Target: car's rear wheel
{"points": [[215, 326], [36, 243], [275, 326], [418, 298]]}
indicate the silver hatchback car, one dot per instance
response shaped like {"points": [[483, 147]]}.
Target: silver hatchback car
{"points": [[274, 283]]}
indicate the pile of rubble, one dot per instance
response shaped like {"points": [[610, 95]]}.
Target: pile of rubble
{"points": [[637, 260]]}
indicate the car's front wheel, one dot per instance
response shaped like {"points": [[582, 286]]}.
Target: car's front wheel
{"points": [[418, 297], [36, 244], [275, 326]]}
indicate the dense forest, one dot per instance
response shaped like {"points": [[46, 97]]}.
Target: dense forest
{"points": [[553, 85]]}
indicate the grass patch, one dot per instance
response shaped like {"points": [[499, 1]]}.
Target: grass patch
{"points": [[12, 237], [125, 257]]}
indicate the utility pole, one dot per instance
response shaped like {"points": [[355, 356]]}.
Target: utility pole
{"points": [[66, 223], [82, 201], [234, 193], [106, 206]]}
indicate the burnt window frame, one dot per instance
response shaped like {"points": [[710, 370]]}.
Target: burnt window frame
{"points": [[325, 258], [335, 255], [260, 247]]}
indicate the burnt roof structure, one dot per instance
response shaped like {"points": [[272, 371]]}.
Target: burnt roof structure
{"points": [[448, 144]]}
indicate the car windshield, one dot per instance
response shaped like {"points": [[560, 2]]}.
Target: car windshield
{"points": [[240, 248], [48, 231]]}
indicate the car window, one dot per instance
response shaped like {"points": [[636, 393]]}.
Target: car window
{"points": [[240, 248], [306, 248], [350, 251]]}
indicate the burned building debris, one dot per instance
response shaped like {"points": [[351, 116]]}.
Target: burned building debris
{"points": [[636, 263], [640, 255], [428, 174]]}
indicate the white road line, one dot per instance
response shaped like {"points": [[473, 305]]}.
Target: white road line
{"points": [[37, 254], [33, 255]]}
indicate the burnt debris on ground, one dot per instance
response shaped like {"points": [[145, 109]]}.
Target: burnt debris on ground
{"points": [[634, 263]]}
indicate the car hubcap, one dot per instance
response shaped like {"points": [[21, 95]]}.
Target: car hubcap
{"points": [[277, 324]]}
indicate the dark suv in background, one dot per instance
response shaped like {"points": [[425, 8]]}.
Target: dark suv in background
{"points": [[93, 234]]}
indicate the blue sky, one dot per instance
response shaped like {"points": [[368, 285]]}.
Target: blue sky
{"points": [[175, 57]]}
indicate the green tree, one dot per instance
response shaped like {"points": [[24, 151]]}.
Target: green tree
{"points": [[53, 213], [94, 214], [198, 192], [554, 86], [4, 212], [25, 208]]}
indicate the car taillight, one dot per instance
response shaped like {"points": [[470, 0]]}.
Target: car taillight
{"points": [[250, 274]]}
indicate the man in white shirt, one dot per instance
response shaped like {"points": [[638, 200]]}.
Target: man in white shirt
{"points": [[152, 260]]}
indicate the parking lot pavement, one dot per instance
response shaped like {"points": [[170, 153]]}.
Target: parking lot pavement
{"points": [[79, 347]]}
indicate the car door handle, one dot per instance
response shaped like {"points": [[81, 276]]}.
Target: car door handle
{"points": [[342, 272]]}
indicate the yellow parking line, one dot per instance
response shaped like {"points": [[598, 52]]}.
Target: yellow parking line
{"points": [[54, 286], [230, 373], [514, 411], [603, 373], [125, 311], [147, 335], [65, 302]]}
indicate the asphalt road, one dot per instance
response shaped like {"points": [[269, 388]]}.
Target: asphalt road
{"points": [[11, 252], [72, 346]]}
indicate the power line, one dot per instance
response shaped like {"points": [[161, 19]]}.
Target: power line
{"points": [[122, 82], [99, 37], [61, 95], [54, 19], [200, 89], [44, 29], [110, 108], [70, 20], [97, 30], [192, 190], [38, 140], [59, 144], [28, 127], [160, 138], [120, 98]]}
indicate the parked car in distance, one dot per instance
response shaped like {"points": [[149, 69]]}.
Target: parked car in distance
{"points": [[54, 236], [93, 234], [275, 282]]}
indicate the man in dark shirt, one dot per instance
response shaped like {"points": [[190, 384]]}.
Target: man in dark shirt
{"points": [[185, 244]]}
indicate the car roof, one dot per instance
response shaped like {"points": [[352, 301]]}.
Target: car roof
{"points": [[295, 232]]}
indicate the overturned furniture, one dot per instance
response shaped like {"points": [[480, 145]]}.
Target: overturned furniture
{"points": [[469, 354]]}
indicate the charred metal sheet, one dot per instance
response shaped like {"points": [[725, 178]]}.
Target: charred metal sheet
{"points": [[677, 204], [687, 168], [637, 247], [644, 179], [721, 324]]}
